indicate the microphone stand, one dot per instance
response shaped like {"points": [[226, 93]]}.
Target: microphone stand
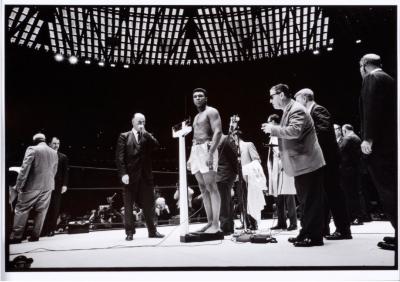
{"points": [[241, 181]]}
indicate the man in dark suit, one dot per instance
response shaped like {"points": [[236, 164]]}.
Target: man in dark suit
{"points": [[302, 158], [335, 199], [34, 185], [226, 175], [350, 151], [378, 114], [133, 160], [61, 181]]}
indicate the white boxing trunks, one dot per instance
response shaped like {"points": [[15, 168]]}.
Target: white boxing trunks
{"points": [[198, 158]]}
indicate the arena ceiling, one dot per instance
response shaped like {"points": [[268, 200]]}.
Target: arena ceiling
{"points": [[132, 35]]}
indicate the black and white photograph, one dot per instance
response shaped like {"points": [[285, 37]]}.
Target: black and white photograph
{"points": [[241, 140]]}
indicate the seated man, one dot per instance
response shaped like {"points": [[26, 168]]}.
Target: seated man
{"points": [[162, 209]]}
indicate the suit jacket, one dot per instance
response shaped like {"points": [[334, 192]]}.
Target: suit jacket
{"points": [[350, 150], [227, 160], [134, 158], [38, 169], [298, 144], [248, 153], [325, 134], [378, 104], [61, 178]]}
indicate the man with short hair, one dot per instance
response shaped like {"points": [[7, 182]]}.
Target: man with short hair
{"points": [[335, 199], [133, 160], [302, 158], [203, 160], [350, 151], [226, 175], [34, 185], [378, 111], [60, 187]]}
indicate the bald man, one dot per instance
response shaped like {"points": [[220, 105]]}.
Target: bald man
{"points": [[335, 200], [133, 160], [34, 185], [378, 112]]}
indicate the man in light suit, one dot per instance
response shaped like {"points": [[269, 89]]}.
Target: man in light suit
{"points": [[302, 158], [133, 159], [34, 185], [378, 113]]}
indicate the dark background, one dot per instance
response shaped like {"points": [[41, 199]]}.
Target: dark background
{"points": [[87, 106]]}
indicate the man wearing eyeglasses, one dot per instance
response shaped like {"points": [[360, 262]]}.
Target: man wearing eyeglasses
{"points": [[302, 158]]}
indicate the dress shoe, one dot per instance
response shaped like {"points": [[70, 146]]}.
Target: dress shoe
{"points": [[129, 237], [357, 221], [307, 242], [292, 227], [338, 236], [276, 227], [15, 241], [50, 234], [389, 240], [156, 235], [387, 246], [293, 239], [33, 239]]}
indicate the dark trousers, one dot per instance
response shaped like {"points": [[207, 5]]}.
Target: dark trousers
{"points": [[351, 184], [310, 192], [38, 201], [50, 223], [251, 223], [335, 202], [141, 193], [283, 203], [382, 167], [226, 212]]}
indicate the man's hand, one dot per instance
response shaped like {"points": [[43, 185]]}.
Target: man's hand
{"points": [[266, 127], [366, 147], [13, 194], [125, 179], [209, 161], [63, 189]]}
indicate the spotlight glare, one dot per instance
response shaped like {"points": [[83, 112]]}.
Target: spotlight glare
{"points": [[73, 60], [87, 62], [358, 41], [101, 64], [315, 52], [58, 57], [329, 49], [126, 66]]}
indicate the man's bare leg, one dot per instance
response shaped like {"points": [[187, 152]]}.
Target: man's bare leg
{"points": [[206, 201], [212, 188]]}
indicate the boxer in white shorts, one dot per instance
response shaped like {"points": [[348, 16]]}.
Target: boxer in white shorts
{"points": [[198, 158], [203, 161]]}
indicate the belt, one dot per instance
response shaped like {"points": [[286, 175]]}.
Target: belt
{"points": [[195, 142]]}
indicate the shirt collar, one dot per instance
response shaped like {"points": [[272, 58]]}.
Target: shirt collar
{"points": [[309, 107], [134, 131], [375, 70], [287, 106]]}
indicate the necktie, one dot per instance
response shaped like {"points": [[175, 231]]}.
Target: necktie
{"points": [[139, 136]]}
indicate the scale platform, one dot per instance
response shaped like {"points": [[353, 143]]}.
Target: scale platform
{"points": [[201, 237]]}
